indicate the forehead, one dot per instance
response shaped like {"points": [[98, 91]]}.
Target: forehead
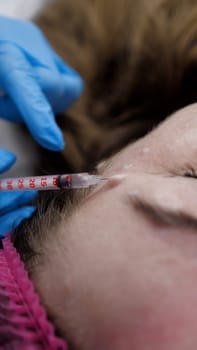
{"points": [[170, 148]]}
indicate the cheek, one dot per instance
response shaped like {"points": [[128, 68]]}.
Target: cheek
{"points": [[169, 324], [164, 320]]}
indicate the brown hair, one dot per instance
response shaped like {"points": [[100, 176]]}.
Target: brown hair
{"points": [[139, 63]]}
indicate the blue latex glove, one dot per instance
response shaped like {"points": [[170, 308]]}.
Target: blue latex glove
{"points": [[35, 80], [13, 208]]}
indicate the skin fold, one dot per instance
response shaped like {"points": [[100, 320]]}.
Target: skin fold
{"points": [[125, 262]]}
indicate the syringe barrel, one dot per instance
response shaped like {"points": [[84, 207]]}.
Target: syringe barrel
{"points": [[51, 182], [30, 183]]}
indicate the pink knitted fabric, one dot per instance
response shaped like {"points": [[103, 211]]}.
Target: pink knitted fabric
{"points": [[23, 321]]}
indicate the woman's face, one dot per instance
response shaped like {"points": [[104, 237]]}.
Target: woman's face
{"points": [[126, 272]]}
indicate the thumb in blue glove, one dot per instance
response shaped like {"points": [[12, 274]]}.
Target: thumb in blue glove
{"points": [[36, 81], [13, 208]]}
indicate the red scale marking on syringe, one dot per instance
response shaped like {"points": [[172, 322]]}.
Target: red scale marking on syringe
{"points": [[20, 184], [32, 183], [55, 180], [43, 182], [9, 185]]}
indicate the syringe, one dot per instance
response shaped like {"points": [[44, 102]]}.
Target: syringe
{"points": [[51, 182]]}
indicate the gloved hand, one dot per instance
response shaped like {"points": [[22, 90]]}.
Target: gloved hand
{"points": [[35, 80], [13, 207]]}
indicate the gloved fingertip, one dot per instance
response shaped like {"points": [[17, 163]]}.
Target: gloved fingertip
{"points": [[7, 159], [27, 196], [75, 86], [10, 221], [3, 234], [53, 139], [73, 73], [27, 212], [57, 141]]}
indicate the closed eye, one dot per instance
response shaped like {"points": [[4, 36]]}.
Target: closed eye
{"points": [[162, 216]]}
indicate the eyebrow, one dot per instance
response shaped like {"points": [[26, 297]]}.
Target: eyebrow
{"points": [[162, 216]]}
